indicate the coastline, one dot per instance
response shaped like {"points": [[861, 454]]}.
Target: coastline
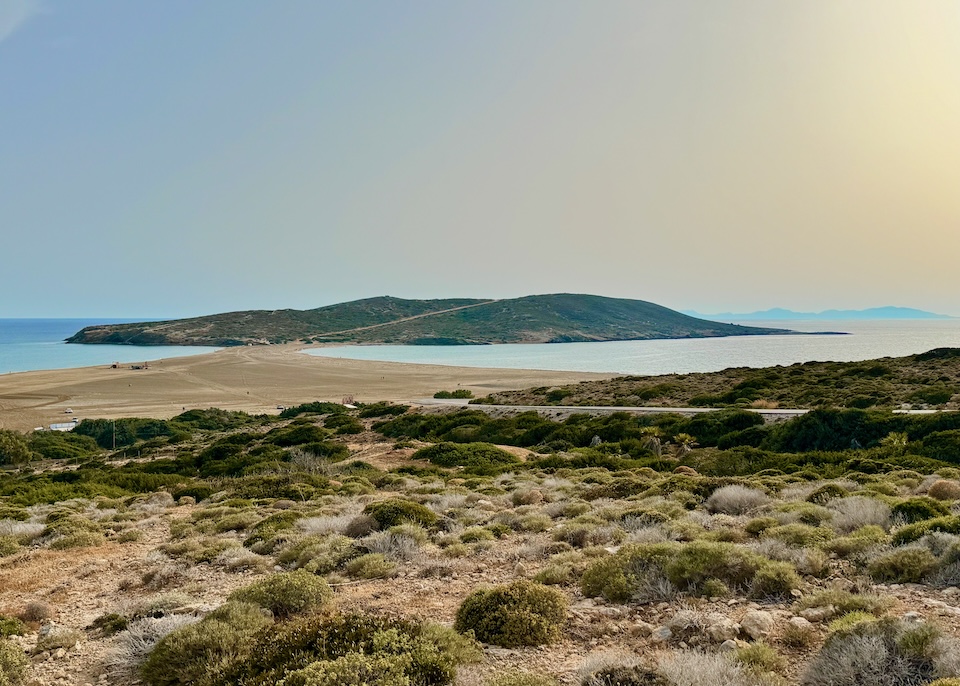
{"points": [[254, 379]]}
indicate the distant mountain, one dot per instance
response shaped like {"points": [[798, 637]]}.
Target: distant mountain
{"points": [[778, 313], [533, 319]]}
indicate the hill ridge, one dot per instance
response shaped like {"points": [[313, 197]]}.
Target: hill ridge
{"points": [[548, 318]]}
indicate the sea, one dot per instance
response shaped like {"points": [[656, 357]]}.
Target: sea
{"points": [[862, 340], [31, 344]]}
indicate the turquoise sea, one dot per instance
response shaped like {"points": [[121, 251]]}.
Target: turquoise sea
{"points": [[866, 340], [28, 344]]}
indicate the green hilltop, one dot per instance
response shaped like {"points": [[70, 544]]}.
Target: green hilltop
{"points": [[556, 318]]}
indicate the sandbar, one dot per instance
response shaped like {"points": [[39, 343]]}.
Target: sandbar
{"points": [[254, 379]]}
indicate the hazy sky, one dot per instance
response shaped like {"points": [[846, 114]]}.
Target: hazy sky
{"points": [[178, 157]]}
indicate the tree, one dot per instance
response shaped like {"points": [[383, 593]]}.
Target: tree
{"points": [[13, 448]]}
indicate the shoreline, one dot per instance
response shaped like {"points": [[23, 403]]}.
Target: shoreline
{"points": [[254, 379]]}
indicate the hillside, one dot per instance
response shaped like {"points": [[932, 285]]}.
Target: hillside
{"points": [[533, 319], [930, 379]]}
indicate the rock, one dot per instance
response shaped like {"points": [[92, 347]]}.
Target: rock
{"points": [[683, 621], [819, 614], [912, 617], [728, 646], [796, 593], [800, 623], [661, 634], [757, 624], [722, 629]]}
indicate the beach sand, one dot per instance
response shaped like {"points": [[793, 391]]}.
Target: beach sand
{"points": [[254, 379]]}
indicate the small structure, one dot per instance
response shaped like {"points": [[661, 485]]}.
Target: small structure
{"points": [[68, 426]]}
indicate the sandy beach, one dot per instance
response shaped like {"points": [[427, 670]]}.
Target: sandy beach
{"points": [[254, 379]]}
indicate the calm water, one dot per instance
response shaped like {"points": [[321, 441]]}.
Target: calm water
{"points": [[867, 340], [28, 344]]}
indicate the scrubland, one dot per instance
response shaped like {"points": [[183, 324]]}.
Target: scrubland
{"points": [[390, 546]]}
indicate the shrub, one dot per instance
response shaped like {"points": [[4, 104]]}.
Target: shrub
{"points": [[914, 532], [944, 490], [918, 509], [36, 611], [198, 654], [826, 493], [8, 545], [761, 657], [845, 602], [11, 626], [903, 565], [885, 652], [13, 664], [694, 668], [427, 654], [135, 643], [353, 669], [460, 393], [688, 567], [286, 593], [520, 614], [480, 458], [859, 511], [799, 535], [387, 513], [736, 499], [371, 566]]}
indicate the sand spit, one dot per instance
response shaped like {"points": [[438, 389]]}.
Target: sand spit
{"points": [[254, 379]]}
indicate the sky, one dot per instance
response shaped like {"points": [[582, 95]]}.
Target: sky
{"points": [[178, 158]]}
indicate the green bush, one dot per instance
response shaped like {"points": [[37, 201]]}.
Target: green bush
{"points": [[13, 664], [353, 669], [395, 511], [11, 626], [460, 393], [319, 554], [903, 565], [382, 409], [199, 654], [520, 614], [918, 509], [286, 593], [479, 458], [914, 532], [425, 654], [688, 567], [371, 566], [8, 545]]}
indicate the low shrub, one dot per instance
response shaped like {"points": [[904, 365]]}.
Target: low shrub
{"points": [[903, 565], [477, 458], [736, 499], [316, 650], [914, 532], [944, 490], [371, 566], [11, 626], [918, 509], [688, 567], [523, 613], [886, 652], [286, 593], [199, 654], [13, 664], [387, 513]]}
